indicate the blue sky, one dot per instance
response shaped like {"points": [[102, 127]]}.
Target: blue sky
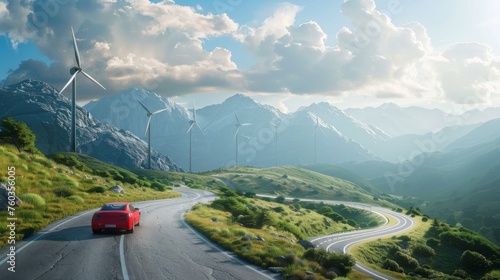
{"points": [[351, 53]]}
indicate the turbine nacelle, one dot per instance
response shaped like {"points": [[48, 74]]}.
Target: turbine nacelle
{"points": [[75, 69]]}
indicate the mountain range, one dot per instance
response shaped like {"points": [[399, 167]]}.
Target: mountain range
{"points": [[48, 114], [446, 162]]}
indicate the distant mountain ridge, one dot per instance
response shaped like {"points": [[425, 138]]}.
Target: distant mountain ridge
{"points": [[48, 114], [215, 145]]}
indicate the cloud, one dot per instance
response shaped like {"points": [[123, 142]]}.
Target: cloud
{"points": [[123, 43], [371, 56], [159, 46], [468, 73]]}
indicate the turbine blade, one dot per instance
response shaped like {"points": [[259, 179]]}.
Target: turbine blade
{"points": [[194, 111], [159, 111], [236, 134], [200, 128], [147, 126], [245, 124], [75, 46], [236, 116], [190, 127], [69, 82], [144, 106], [92, 79]]}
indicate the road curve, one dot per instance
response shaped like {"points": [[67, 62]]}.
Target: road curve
{"points": [[342, 241], [163, 247]]}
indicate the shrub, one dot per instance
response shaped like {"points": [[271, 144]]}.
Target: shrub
{"points": [[327, 260], [278, 209], [33, 198], [423, 250], [405, 260], [474, 260], [158, 186], [98, 189], [433, 242], [280, 199], [76, 199], [391, 265], [63, 192], [405, 238], [461, 274]]}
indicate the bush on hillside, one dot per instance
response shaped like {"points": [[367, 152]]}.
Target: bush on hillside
{"points": [[327, 260], [33, 199], [97, 189], [158, 186], [392, 266], [422, 250], [405, 260], [474, 260], [63, 192]]}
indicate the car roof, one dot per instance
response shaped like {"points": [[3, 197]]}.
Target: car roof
{"points": [[117, 202]]}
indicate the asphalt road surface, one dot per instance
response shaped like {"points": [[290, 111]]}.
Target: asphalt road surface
{"points": [[162, 247], [342, 241]]}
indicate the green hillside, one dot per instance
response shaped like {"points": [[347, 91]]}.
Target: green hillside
{"points": [[50, 191], [461, 186], [293, 181]]}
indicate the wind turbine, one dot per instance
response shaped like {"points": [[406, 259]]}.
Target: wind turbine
{"points": [[238, 125], [148, 128], [75, 71], [192, 123], [316, 128], [276, 126]]}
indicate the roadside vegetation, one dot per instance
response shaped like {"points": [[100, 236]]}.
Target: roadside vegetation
{"points": [[291, 181], [434, 250], [50, 191], [272, 233]]}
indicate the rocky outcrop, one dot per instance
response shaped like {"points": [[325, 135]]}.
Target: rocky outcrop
{"points": [[4, 198], [48, 115]]}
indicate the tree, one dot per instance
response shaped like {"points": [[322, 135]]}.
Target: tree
{"points": [[18, 134]]}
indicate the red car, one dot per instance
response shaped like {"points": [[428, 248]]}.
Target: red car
{"points": [[116, 216]]}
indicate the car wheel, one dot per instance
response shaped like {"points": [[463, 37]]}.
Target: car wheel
{"points": [[138, 223], [96, 231], [132, 229]]}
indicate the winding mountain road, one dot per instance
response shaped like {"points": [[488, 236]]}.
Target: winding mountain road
{"points": [[163, 247], [342, 241]]}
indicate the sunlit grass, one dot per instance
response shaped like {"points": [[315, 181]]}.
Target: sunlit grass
{"points": [[264, 246], [51, 191]]}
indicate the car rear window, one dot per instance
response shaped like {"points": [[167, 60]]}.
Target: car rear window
{"points": [[114, 207]]}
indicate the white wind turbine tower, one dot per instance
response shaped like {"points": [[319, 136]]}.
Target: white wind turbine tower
{"points": [[75, 71], [276, 126], [238, 125], [148, 128], [316, 128], [192, 123]]}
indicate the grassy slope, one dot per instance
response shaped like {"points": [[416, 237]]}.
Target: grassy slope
{"points": [[443, 263], [294, 182], [59, 191], [220, 227]]}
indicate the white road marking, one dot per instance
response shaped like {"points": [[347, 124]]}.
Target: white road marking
{"points": [[122, 260], [44, 233], [221, 250]]}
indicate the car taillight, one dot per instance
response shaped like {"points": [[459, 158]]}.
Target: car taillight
{"points": [[126, 215]]}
